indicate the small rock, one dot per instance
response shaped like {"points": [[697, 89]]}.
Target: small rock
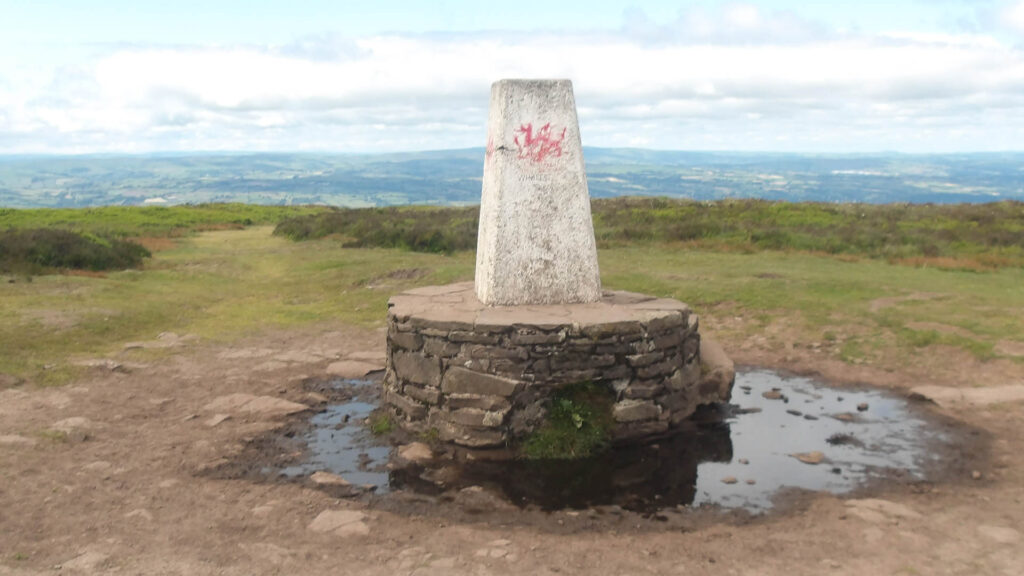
{"points": [[814, 457], [975, 474], [743, 461], [140, 513], [772, 395], [416, 452], [341, 523], [794, 413], [316, 398], [862, 407], [876, 510], [87, 562], [352, 368], [845, 417], [729, 480], [810, 417], [15, 440], [1000, 534], [324, 478], [217, 419]]}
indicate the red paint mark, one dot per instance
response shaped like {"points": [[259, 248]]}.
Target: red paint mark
{"points": [[538, 146]]}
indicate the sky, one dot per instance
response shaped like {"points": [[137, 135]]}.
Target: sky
{"points": [[121, 76]]}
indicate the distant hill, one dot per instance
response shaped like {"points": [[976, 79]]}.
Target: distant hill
{"points": [[452, 177]]}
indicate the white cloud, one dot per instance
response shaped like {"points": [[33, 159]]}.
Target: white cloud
{"points": [[738, 78], [1013, 16]]}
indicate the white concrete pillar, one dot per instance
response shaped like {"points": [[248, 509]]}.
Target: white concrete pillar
{"points": [[536, 238]]}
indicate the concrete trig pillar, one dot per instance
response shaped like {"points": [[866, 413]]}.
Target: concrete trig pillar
{"points": [[536, 238]]}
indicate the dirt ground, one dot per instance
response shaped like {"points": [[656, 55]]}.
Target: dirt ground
{"points": [[112, 475]]}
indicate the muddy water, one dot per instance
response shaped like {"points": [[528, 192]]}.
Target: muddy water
{"points": [[737, 456]]}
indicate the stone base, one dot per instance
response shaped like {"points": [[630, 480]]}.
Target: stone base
{"points": [[481, 376]]}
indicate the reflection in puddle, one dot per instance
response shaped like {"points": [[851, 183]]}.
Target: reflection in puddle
{"points": [[734, 457], [341, 443]]}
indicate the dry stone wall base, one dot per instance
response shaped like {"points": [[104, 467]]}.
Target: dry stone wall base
{"points": [[481, 376]]}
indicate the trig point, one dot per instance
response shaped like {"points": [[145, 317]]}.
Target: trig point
{"points": [[536, 237], [477, 364]]}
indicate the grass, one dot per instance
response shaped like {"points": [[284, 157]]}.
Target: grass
{"points": [[225, 284], [151, 221], [381, 424], [218, 285], [578, 424]]}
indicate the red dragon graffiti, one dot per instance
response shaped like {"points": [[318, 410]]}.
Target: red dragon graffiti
{"points": [[538, 146]]}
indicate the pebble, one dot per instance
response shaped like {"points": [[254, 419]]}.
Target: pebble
{"points": [[751, 481], [976, 474], [794, 412], [772, 395], [863, 406], [814, 457], [729, 480], [743, 461]]}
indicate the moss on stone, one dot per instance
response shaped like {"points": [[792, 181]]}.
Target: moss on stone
{"points": [[578, 425]]}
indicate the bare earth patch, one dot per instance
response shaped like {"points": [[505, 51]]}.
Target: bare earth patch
{"points": [[125, 488]]}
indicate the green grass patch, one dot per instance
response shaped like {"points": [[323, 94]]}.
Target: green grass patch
{"points": [[151, 221], [578, 424], [381, 423]]}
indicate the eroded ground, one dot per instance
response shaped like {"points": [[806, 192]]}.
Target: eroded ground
{"points": [[112, 475]]}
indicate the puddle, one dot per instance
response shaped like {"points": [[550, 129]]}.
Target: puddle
{"points": [[340, 441], [735, 457]]}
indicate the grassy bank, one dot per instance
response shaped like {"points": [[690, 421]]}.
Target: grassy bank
{"points": [[227, 284], [966, 236]]}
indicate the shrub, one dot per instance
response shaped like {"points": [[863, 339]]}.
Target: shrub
{"points": [[38, 250]]}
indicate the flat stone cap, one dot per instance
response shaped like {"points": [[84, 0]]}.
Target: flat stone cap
{"points": [[456, 307]]}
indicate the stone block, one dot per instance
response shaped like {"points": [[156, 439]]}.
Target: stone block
{"points": [[637, 430], [663, 368], [536, 237], [410, 408], [509, 368], [473, 337], [489, 403], [691, 347], [669, 321], [643, 391], [438, 327], [458, 380], [494, 352], [622, 329], [670, 339], [440, 347], [635, 411], [468, 437], [416, 368], [521, 338], [426, 395], [645, 359], [476, 417], [616, 372], [407, 340]]}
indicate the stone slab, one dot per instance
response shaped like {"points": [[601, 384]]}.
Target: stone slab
{"points": [[612, 313]]}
